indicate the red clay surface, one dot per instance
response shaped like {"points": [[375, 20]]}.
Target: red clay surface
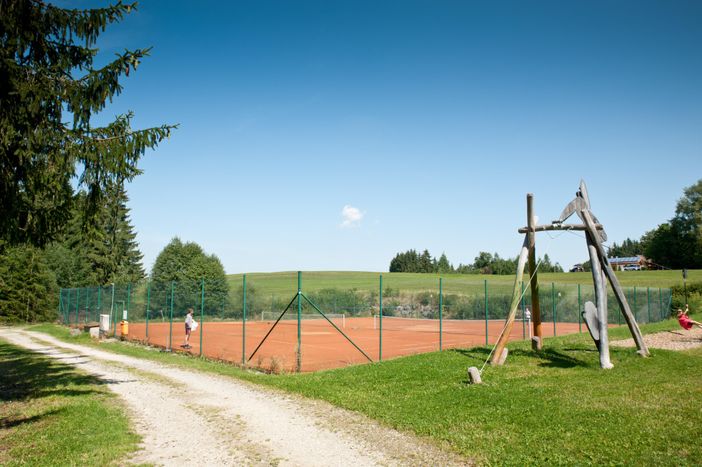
{"points": [[323, 347]]}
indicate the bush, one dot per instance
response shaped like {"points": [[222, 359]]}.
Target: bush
{"points": [[694, 297]]}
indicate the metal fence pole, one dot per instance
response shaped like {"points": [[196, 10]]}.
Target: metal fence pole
{"points": [[380, 322], [60, 305], [243, 328], [87, 303], [521, 286], [580, 311], [170, 327], [553, 306], [660, 305], [441, 316], [67, 310], [129, 299], [299, 321], [77, 304], [636, 307], [202, 312], [148, 307], [486, 312], [648, 299], [112, 303], [98, 307]]}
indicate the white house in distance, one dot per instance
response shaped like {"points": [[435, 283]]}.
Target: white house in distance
{"points": [[629, 263]]}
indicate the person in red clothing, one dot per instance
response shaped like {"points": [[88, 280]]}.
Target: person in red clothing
{"points": [[685, 320]]}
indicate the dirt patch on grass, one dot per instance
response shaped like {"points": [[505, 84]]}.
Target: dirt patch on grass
{"points": [[678, 339]]}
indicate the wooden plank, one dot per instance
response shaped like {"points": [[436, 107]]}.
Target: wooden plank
{"points": [[516, 298]]}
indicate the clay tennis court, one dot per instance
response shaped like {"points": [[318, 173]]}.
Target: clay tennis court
{"points": [[323, 347]]}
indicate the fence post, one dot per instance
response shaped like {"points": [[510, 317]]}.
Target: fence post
{"points": [[60, 305], [87, 303], [148, 307], [486, 312], [441, 315], [521, 286], [580, 311], [129, 298], [660, 305], [67, 308], [648, 298], [553, 306], [243, 323], [380, 321], [636, 307], [98, 309], [170, 325], [77, 304], [299, 321], [202, 312], [112, 303]]}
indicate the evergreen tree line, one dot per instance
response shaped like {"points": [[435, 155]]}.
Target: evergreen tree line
{"points": [[484, 263], [675, 244], [104, 253], [64, 218]]}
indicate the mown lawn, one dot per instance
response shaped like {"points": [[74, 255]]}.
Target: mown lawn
{"points": [[282, 283], [552, 407], [53, 414]]}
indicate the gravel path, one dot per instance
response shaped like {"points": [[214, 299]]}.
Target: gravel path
{"points": [[670, 340], [188, 417]]}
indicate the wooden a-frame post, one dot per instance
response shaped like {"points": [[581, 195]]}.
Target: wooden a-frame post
{"points": [[534, 282], [595, 315]]}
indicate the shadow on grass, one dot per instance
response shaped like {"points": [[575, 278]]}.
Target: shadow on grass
{"points": [[550, 358], [10, 422], [26, 375]]}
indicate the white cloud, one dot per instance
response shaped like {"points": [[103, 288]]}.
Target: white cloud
{"points": [[352, 216]]}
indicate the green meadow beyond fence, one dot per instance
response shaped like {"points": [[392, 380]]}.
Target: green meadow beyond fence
{"points": [[307, 322]]}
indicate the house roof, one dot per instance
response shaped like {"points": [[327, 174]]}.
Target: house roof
{"points": [[628, 259]]}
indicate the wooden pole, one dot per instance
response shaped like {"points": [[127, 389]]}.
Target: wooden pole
{"points": [[618, 293], [544, 228], [601, 299], [531, 237], [516, 298]]}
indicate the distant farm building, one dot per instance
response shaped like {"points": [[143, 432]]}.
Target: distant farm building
{"points": [[629, 263]]}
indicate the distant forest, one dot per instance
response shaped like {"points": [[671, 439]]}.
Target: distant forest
{"points": [[484, 263]]}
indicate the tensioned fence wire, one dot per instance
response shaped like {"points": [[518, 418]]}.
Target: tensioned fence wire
{"points": [[342, 321]]}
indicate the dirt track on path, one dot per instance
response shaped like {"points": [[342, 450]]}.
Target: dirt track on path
{"points": [[188, 417]]}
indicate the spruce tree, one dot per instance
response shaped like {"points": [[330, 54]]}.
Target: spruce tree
{"points": [[108, 253], [47, 78], [184, 266]]}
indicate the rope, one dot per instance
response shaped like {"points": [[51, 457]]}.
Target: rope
{"points": [[505, 326]]}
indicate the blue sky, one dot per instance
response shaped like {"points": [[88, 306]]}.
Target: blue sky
{"points": [[424, 122]]}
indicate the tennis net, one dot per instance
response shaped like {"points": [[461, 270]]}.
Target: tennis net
{"points": [[337, 318]]}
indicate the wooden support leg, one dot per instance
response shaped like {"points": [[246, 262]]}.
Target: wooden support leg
{"points": [[601, 299], [516, 297], [618, 293]]}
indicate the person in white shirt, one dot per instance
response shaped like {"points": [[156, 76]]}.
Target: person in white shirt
{"points": [[527, 318], [188, 328]]}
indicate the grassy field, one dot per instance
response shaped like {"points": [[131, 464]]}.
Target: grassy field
{"points": [[52, 414], [552, 407], [281, 283]]}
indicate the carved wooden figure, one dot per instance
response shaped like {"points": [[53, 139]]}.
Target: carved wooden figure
{"points": [[595, 314]]}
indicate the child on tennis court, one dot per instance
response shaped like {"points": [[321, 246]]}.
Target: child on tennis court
{"points": [[189, 325], [685, 320]]}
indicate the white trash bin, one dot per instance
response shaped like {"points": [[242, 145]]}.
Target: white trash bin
{"points": [[104, 324]]}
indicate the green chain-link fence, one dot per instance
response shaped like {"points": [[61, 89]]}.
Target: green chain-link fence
{"points": [[326, 322]]}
